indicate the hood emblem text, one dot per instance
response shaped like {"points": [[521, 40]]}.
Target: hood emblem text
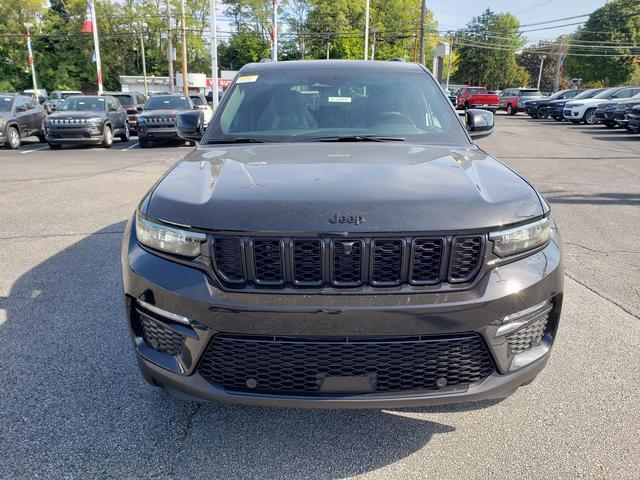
{"points": [[354, 219]]}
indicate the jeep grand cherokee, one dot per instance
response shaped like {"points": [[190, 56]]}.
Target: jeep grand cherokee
{"points": [[337, 240]]}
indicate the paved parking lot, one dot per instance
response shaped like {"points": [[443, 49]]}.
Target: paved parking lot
{"points": [[72, 404]]}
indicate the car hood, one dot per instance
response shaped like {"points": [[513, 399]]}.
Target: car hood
{"points": [[302, 187], [6, 114], [75, 114]]}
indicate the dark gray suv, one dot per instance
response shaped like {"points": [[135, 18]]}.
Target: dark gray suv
{"points": [[337, 240]]}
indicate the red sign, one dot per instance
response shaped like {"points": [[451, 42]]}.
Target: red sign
{"points": [[223, 83]]}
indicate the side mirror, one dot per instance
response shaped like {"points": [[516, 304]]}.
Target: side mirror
{"points": [[479, 123], [190, 125], [139, 109]]}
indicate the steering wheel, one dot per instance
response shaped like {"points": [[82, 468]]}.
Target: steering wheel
{"points": [[392, 117]]}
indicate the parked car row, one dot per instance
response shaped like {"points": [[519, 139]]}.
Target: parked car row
{"points": [[94, 120], [611, 107]]}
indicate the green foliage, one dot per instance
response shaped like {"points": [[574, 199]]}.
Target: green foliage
{"points": [[529, 59], [242, 48], [493, 67], [618, 22]]}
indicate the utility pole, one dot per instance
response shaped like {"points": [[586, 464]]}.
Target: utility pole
{"points": [[33, 68], [373, 44], [366, 30], [449, 62], [185, 82], [144, 66], [423, 13], [170, 47], [274, 32], [214, 53], [559, 67], [328, 47], [540, 72]]}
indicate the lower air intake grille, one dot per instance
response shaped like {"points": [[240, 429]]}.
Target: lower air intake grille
{"points": [[293, 365], [528, 336], [157, 336]]}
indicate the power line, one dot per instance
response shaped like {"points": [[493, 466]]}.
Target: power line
{"points": [[554, 21]]}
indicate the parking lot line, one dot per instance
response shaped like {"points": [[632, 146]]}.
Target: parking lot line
{"points": [[34, 149], [132, 146]]}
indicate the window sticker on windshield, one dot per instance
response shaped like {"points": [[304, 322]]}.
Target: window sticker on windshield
{"points": [[7, 99], [340, 99], [247, 78]]}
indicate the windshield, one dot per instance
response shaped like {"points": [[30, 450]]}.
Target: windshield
{"points": [[606, 93], [322, 103], [85, 104], [166, 102], [587, 93], [5, 103], [529, 93], [70, 94], [197, 100], [476, 90], [125, 100]]}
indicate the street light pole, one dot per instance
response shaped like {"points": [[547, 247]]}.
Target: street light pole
{"points": [[214, 53], [185, 82], [366, 31], [274, 32], [31, 64], [540, 72], [144, 66]]}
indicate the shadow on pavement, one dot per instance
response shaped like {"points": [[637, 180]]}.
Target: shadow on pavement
{"points": [[74, 404], [604, 198]]}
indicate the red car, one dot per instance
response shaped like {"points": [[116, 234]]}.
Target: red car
{"points": [[477, 97]]}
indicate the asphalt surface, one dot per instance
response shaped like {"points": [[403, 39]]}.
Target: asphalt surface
{"points": [[72, 404]]}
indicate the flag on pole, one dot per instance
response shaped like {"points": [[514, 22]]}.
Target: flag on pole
{"points": [[87, 25]]}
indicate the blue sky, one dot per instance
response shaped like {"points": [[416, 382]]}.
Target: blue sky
{"points": [[453, 14]]}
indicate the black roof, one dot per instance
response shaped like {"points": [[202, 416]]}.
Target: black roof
{"points": [[296, 65]]}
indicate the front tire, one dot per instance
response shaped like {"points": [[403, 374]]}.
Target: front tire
{"points": [[13, 138], [609, 125], [107, 137], [126, 135], [143, 143], [590, 117], [55, 146], [510, 110]]}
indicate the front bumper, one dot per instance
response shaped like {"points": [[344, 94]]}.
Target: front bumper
{"points": [[157, 133], [81, 135], [191, 294]]}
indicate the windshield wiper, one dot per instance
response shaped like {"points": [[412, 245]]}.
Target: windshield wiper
{"points": [[237, 140], [358, 138]]}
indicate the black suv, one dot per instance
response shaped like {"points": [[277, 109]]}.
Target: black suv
{"points": [[539, 108], [132, 102], [158, 120], [21, 116], [337, 240], [87, 119]]}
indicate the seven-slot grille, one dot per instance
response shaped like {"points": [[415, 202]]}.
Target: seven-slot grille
{"points": [[295, 365], [347, 262]]}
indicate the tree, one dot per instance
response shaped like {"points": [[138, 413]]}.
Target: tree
{"points": [[529, 59], [486, 51], [616, 22], [242, 48]]}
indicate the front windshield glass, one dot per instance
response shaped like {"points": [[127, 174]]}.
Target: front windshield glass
{"points": [[84, 104], [166, 102], [316, 103], [5, 103], [606, 93], [587, 93], [530, 93], [70, 94], [477, 90]]}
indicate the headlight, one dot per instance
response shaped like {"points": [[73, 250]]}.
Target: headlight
{"points": [[2, 122], [94, 120], [520, 239], [169, 239]]}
